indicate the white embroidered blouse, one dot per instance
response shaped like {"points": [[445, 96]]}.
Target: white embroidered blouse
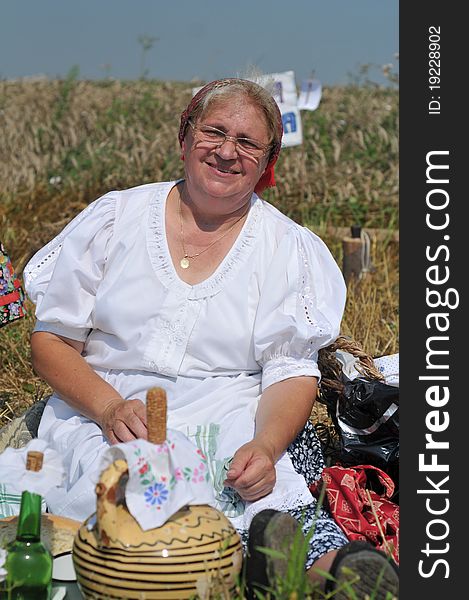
{"points": [[108, 280]]}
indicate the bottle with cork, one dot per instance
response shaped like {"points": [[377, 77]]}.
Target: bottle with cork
{"points": [[29, 562]]}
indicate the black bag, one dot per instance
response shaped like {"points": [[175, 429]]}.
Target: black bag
{"points": [[365, 415]]}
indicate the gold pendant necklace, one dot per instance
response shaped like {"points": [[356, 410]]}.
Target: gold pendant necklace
{"points": [[185, 260]]}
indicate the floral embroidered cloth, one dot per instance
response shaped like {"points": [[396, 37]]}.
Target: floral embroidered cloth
{"points": [[361, 512], [11, 292], [162, 477]]}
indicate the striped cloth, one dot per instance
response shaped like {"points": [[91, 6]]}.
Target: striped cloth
{"points": [[10, 501]]}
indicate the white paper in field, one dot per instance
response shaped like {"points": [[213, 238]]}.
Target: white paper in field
{"points": [[292, 128], [282, 87], [310, 94]]}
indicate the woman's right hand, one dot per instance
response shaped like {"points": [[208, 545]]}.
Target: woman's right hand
{"points": [[124, 420], [59, 361]]}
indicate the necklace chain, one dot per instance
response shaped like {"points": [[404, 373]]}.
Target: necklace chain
{"points": [[184, 262]]}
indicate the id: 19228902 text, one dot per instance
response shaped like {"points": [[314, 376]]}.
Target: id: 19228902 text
{"points": [[434, 70]]}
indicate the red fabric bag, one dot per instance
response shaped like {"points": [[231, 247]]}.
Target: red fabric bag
{"points": [[362, 513]]}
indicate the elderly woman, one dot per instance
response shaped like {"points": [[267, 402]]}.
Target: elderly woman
{"points": [[202, 288]]}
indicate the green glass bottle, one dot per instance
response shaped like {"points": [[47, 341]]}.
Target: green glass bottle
{"points": [[29, 562]]}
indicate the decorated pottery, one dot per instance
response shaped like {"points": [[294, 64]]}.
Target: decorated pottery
{"points": [[197, 549]]}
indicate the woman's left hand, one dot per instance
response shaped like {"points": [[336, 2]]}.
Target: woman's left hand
{"points": [[252, 471]]}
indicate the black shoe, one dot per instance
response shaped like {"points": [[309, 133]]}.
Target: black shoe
{"points": [[269, 529], [378, 575]]}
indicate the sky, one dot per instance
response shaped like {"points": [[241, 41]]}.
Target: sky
{"points": [[188, 40]]}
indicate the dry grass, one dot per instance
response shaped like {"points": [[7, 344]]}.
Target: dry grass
{"points": [[64, 143]]}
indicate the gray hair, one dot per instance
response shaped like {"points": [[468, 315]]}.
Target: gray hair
{"points": [[255, 93]]}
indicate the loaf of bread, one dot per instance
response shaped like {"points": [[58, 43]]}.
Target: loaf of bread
{"points": [[57, 533]]}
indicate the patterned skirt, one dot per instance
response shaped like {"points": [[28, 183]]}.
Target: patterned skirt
{"points": [[306, 455]]}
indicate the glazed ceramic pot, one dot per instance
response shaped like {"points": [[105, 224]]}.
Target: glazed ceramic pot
{"points": [[197, 549]]}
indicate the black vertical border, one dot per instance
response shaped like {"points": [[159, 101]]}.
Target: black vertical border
{"points": [[420, 133]]}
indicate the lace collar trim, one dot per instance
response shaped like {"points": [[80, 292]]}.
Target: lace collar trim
{"points": [[161, 260]]}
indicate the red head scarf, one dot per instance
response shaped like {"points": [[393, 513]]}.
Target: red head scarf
{"points": [[267, 179]]}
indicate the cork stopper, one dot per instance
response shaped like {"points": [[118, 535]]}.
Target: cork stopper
{"points": [[156, 415], [34, 460]]}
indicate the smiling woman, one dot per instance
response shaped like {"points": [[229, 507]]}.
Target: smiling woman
{"points": [[202, 288], [226, 150]]}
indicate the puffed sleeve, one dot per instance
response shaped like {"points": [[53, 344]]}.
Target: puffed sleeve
{"points": [[62, 278], [300, 309]]}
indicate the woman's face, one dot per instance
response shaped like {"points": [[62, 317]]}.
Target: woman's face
{"points": [[222, 176]]}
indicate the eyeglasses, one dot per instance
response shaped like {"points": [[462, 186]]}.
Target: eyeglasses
{"points": [[216, 137]]}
